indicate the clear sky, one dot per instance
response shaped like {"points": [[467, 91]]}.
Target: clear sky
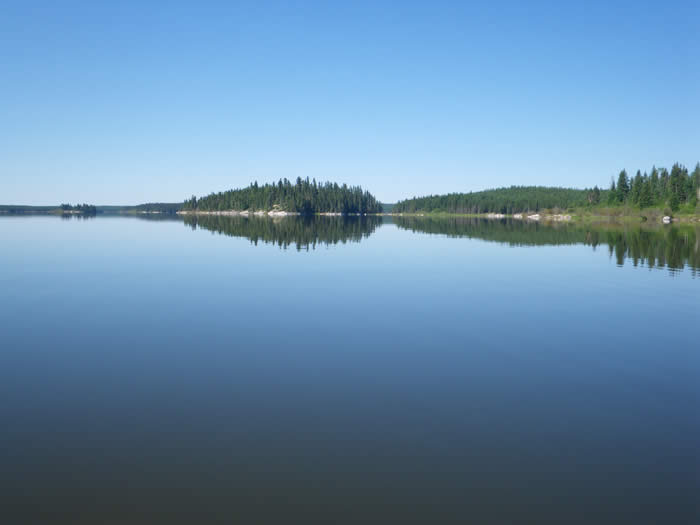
{"points": [[127, 102]]}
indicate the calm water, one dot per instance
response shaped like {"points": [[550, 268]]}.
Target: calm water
{"points": [[347, 371]]}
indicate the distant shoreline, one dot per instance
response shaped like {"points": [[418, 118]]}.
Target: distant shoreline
{"points": [[652, 216], [269, 213], [543, 216], [25, 211], [611, 215]]}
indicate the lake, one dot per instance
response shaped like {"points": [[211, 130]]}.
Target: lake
{"points": [[348, 370]]}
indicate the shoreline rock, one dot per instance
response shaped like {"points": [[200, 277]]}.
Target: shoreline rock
{"points": [[558, 218]]}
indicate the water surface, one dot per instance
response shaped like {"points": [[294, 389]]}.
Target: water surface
{"points": [[347, 371]]}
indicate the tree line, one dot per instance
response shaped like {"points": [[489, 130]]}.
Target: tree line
{"points": [[676, 189], [85, 209], [501, 200], [304, 197], [22, 209], [159, 207]]}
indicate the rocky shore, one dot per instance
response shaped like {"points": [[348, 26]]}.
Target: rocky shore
{"points": [[235, 213], [261, 213]]}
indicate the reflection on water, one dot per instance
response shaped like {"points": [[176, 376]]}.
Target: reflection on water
{"points": [[152, 374], [303, 232], [672, 247], [77, 216]]}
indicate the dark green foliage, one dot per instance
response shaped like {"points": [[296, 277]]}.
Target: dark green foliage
{"points": [[89, 209], [612, 194], [677, 190], [695, 186], [594, 196], [664, 186], [623, 186], [78, 209], [19, 209], [646, 195], [503, 200], [636, 188], [158, 207], [655, 185], [149, 207], [84, 209], [302, 197]]}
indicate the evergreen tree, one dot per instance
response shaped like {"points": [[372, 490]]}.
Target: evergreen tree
{"points": [[695, 197], [612, 194], [636, 188], [664, 192], [594, 196], [303, 197], [677, 186], [655, 185], [515, 199], [623, 186], [646, 197]]}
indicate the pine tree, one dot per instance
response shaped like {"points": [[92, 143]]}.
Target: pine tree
{"points": [[646, 198], [636, 188], [655, 185], [593, 197], [623, 186], [695, 178], [612, 194]]}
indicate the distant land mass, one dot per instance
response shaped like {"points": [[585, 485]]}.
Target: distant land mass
{"points": [[661, 191], [303, 197], [63, 209], [90, 209], [149, 207], [510, 200]]}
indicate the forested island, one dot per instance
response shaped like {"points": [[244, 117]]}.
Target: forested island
{"points": [[674, 191], [304, 197], [79, 209]]}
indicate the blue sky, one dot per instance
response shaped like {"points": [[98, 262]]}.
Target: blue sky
{"points": [[128, 102]]}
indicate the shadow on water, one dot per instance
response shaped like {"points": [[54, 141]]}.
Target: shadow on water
{"points": [[306, 232], [673, 247]]}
